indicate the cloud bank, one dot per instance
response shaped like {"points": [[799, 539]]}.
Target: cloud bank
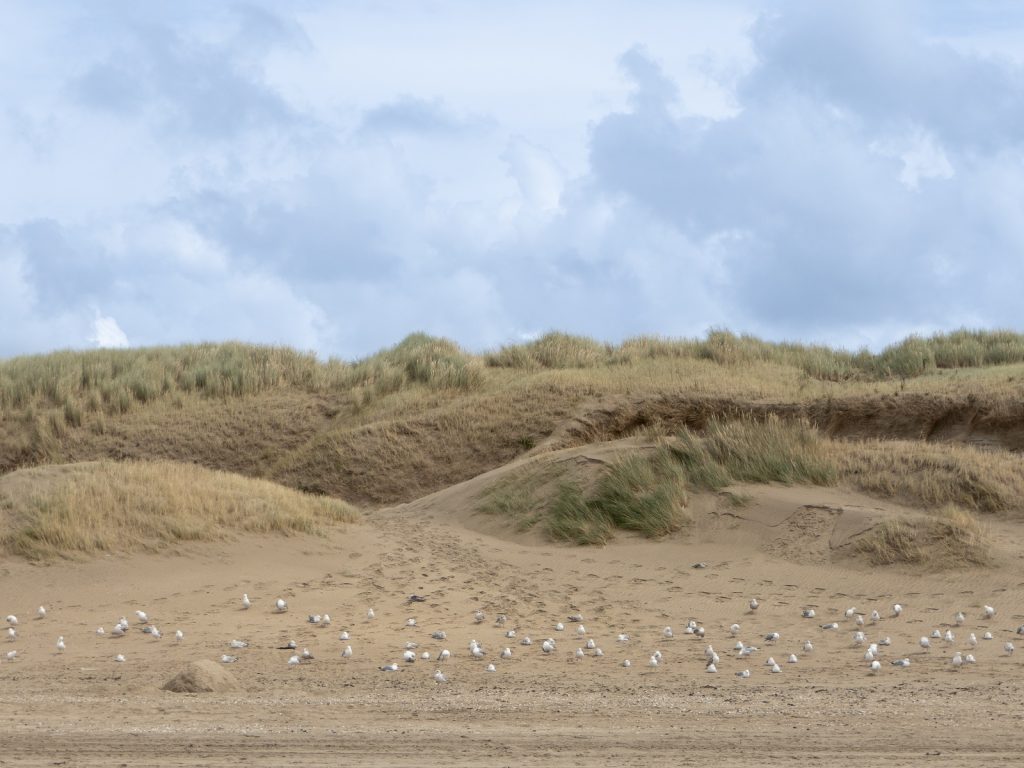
{"points": [[329, 179]]}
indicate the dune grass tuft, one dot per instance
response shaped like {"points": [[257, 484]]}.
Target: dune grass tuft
{"points": [[106, 506], [948, 538]]}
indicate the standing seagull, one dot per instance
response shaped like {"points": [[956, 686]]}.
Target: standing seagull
{"points": [[281, 605], [753, 604], [246, 602], [41, 613], [60, 644]]}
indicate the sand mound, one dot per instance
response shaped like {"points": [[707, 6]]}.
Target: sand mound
{"points": [[202, 677]]}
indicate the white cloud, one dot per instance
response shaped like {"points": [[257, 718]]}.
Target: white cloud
{"points": [[106, 332]]}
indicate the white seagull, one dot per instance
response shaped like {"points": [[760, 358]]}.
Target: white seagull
{"points": [[1009, 648], [370, 614], [179, 635], [507, 653], [119, 658], [744, 674], [142, 617], [246, 602], [753, 604], [281, 605], [41, 612], [12, 620], [897, 609], [989, 611], [347, 653], [925, 643], [439, 677], [60, 644]]}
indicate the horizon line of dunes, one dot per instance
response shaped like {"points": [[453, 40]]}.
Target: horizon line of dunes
{"points": [[111, 380]]}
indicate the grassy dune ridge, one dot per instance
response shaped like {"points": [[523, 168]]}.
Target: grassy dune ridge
{"points": [[426, 414], [122, 506]]}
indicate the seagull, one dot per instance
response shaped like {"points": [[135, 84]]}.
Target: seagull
{"points": [[291, 645], [119, 658], [711, 668], [1009, 648], [281, 605], [808, 647], [626, 663], [579, 653], [859, 621], [744, 674], [347, 653], [747, 650], [989, 611], [959, 619], [734, 629], [12, 655], [246, 602], [12, 620], [501, 619], [699, 565], [142, 617], [925, 643], [344, 635], [410, 622], [439, 635], [876, 666], [510, 634], [987, 636], [415, 599], [792, 659], [477, 651], [1020, 629], [622, 638], [957, 660], [859, 638], [547, 646], [117, 631], [876, 616], [753, 604], [226, 659], [901, 663], [526, 641], [239, 644], [949, 637], [591, 644], [294, 661], [972, 640], [392, 667], [478, 617], [936, 634], [598, 652], [833, 625], [776, 668], [897, 609], [581, 630], [559, 627], [808, 613], [370, 614], [490, 668], [326, 621], [439, 677], [314, 618], [306, 655], [179, 635], [507, 653], [969, 659], [411, 646], [850, 612], [60, 644], [771, 637], [12, 634], [885, 641], [576, 617], [101, 631], [409, 656], [666, 632], [41, 612], [869, 655], [653, 661]]}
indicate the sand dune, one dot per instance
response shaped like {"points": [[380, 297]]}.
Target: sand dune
{"points": [[786, 548]]}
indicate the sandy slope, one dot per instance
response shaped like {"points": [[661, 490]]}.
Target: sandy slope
{"points": [[82, 708]]}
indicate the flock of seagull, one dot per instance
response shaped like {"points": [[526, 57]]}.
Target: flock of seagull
{"points": [[955, 639]]}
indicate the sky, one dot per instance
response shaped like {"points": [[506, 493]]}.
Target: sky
{"points": [[333, 176]]}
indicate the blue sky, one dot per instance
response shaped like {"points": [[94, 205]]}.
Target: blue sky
{"points": [[335, 175]]}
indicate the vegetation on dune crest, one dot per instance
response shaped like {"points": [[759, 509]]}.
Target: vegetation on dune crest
{"points": [[122, 506]]}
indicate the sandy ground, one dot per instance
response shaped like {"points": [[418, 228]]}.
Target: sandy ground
{"points": [[80, 707]]}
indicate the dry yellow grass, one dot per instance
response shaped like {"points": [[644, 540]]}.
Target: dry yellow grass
{"points": [[122, 506], [949, 538]]}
